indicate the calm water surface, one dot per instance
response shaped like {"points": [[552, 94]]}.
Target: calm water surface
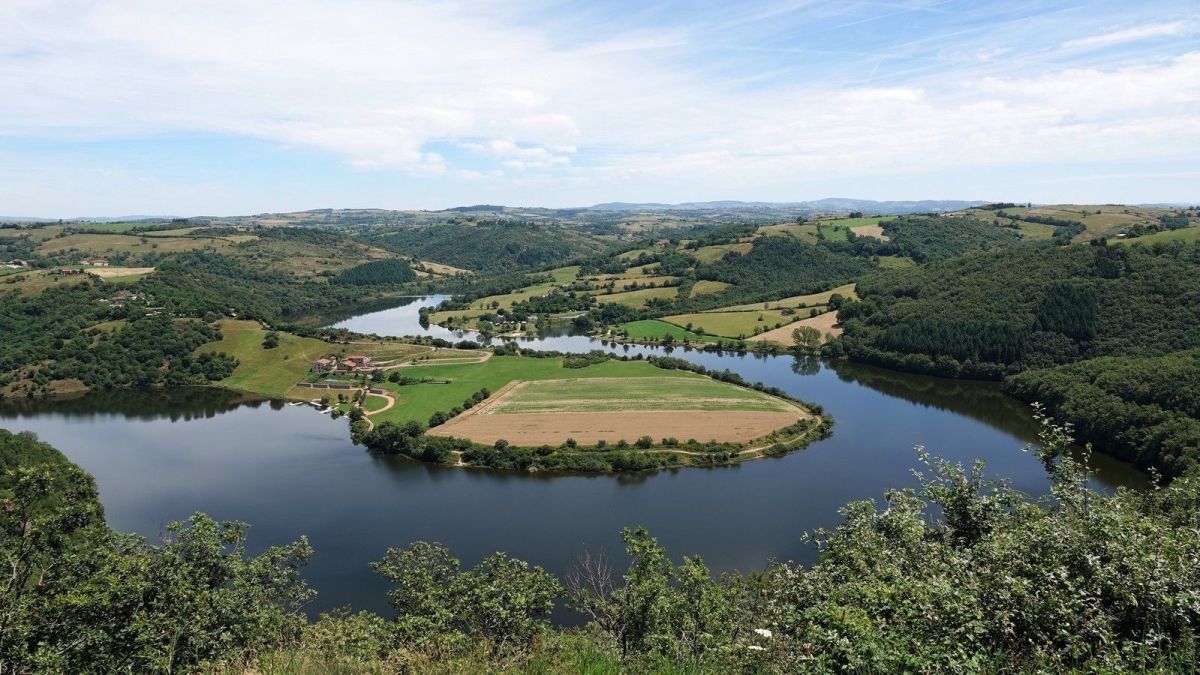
{"points": [[159, 456]]}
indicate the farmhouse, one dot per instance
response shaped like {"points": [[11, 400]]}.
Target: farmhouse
{"points": [[17, 263], [323, 365], [348, 364], [68, 270]]}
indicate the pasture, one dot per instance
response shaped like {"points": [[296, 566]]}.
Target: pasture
{"points": [[810, 300], [705, 287], [1188, 234], [419, 401], [275, 372], [718, 251], [891, 262], [493, 302], [590, 410], [639, 297], [653, 329], [102, 244], [737, 325]]}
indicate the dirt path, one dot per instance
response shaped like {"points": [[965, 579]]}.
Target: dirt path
{"points": [[391, 401]]}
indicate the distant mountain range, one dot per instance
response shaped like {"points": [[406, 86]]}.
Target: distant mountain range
{"points": [[88, 219], [827, 204]]}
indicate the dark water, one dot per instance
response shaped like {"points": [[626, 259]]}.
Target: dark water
{"points": [[158, 456]]}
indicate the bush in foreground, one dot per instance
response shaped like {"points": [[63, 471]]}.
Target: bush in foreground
{"points": [[962, 574]]}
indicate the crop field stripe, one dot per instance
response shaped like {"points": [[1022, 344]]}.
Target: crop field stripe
{"points": [[630, 395]]}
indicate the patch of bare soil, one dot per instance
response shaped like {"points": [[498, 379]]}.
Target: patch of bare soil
{"points": [[870, 231], [529, 429], [826, 323]]}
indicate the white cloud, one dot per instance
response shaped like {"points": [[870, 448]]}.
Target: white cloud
{"points": [[1131, 34], [375, 83]]}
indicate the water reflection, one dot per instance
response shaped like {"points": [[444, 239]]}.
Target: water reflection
{"points": [[160, 455]]}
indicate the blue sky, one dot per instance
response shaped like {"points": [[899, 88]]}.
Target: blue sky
{"points": [[228, 106]]}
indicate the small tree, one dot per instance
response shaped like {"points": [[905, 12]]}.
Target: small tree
{"points": [[807, 339]]}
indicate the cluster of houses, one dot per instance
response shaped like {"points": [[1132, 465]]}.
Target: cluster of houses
{"points": [[347, 364], [90, 262]]}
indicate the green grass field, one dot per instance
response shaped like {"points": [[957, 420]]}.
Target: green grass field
{"points": [[484, 305], [732, 324], [895, 261], [802, 231], [1185, 234], [271, 372], [624, 283], [856, 222], [714, 253], [836, 229], [639, 297], [101, 244], [810, 300], [274, 372], [618, 394], [418, 402], [653, 329], [1035, 231], [565, 275], [706, 287], [117, 227]]}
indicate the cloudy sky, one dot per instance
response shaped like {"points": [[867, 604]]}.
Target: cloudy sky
{"points": [[191, 107]]}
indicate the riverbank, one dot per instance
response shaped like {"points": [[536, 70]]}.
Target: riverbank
{"points": [[436, 387]]}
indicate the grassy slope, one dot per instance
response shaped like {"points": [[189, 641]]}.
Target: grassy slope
{"points": [[565, 275], [812, 299], [274, 372], [653, 329], [271, 372], [718, 251], [419, 401], [705, 287], [639, 297], [731, 324], [895, 261], [1186, 234], [484, 305], [101, 244]]}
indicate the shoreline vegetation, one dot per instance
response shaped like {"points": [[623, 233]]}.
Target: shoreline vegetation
{"points": [[417, 376], [960, 570], [1092, 310], [1016, 293]]}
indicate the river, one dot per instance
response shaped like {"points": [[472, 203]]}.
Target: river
{"points": [[159, 456]]}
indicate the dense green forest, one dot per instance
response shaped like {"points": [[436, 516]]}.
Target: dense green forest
{"points": [[961, 574], [1142, 409], [1037, 305], [199, 283], [1052, 311], [52, 337], [377, 272], [490, 246], [783, 266], [929, 238]]}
